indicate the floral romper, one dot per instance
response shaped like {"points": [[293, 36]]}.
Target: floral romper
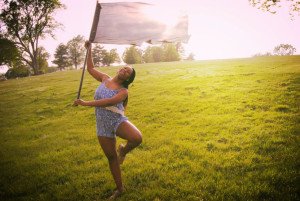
{"points": [[108, 118]]}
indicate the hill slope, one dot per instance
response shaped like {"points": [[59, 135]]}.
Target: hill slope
{"points": [[212, 130]]}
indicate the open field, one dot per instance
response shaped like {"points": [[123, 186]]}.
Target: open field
{"points": [[212, 130]]}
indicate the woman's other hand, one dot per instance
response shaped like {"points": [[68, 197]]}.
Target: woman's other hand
{"points": [[79, 102]]}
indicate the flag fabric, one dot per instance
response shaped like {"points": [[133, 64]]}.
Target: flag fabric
{"points": [[135, 22]]}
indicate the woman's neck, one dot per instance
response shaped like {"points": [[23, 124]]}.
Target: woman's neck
{"points": [[117, 81]]}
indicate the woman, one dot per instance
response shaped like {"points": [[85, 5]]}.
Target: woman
{"points": [[110, 102]]}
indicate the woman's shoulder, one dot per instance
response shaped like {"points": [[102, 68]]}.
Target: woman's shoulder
{"points": [[123, 91], [106, 79]]}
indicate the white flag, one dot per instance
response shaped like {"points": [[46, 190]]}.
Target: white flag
{"points": [[134, 23]]}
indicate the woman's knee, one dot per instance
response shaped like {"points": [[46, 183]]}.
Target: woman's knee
{"points": [[111, 157], [109, 147], [138, 138]]}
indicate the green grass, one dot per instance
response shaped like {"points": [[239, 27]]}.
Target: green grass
{"points": [[212, 130]]}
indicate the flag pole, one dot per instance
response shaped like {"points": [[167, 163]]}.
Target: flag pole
{"points": [[82, 75], [92, 37]]}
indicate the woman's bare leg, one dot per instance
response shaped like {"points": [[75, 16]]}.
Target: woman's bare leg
{"points": [[109, 147], [129, 132]]}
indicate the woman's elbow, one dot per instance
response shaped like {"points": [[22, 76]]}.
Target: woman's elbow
{"points": [[109, 104]]}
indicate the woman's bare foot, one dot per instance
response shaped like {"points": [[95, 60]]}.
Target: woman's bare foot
{"points": [[121, 155], [117, 193]]}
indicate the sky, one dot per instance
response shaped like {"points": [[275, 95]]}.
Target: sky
{"points": [[219, 29]]}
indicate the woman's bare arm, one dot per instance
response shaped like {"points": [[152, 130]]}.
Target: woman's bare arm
{"points": [[90, 65], [104, 102]]}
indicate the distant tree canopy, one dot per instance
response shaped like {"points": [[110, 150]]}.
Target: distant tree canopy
{"points": [[165, 52], [73, 54], [148, 55], [98, 54], [133, 55], [170, 53], [263, 54], [25, 22], [272, 5], [191, 57], [102, 57], [9, 52], [76, 50], [42, 58], [279, 50], [18, 70], [157, 54], [284, 49], [110, 57], [61, 56], [180, 49], [153, 54]]}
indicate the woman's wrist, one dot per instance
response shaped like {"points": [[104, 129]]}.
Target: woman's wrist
{"points": [[86, 103]]}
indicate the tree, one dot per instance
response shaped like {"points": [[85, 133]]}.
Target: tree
{"points": [[191, 57], [18, 70], [267, 54], [26, 21], [110, 57], [148, 55], [170, 53], [9, 53], [180, 49], [115, 58], [272, 5], [98, 54], [284, 49], [76, 50], [132, 55], [61, 56], [153, 54], [157, 54], [43, 56]]}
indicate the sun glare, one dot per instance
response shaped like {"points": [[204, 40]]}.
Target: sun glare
{"points": [[163, 14]]}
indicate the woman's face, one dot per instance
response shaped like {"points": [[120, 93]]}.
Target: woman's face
{"points": [[125, 73]]}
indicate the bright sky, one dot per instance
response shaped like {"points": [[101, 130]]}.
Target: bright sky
{"points": [[219, 28]]}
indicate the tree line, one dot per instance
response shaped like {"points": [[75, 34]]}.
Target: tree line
{"points": [[279, 50], [73, 54], [24, 22], [163, 53]]}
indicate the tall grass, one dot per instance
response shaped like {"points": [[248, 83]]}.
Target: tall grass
{"points": [[212, 130]]}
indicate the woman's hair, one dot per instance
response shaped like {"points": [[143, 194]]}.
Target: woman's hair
{"points": [[126, 84]]}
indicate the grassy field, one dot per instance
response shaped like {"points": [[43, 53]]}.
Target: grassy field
{"points": [[212, 130]]}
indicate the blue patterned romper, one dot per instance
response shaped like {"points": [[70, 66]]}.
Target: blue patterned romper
{"points": [[106, 119]]}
